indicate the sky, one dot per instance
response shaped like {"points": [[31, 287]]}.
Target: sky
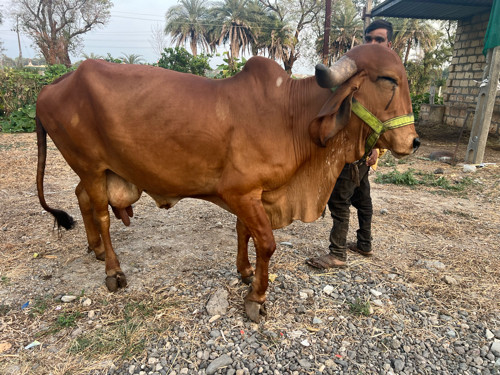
{"points": [[129, 31]]}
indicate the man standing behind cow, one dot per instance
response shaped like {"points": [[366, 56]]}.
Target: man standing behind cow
{"points": [[346, 191]]}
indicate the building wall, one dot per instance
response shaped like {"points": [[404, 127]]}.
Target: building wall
{"points": [[466, 73]]}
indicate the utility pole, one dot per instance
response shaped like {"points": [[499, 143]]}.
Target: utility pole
{"points": [[328, 27], [367, 15], [484, 108]]}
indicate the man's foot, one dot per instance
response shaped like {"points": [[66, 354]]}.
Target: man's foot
{"points": [[353, 247], [326, 261]]}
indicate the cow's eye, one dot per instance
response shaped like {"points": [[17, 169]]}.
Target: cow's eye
{"points": [[390, 79]]}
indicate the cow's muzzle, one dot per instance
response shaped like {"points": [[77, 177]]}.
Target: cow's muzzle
{"points": [[416, 144]]}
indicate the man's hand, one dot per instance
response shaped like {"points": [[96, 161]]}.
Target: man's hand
{"points": [[372, 158]]}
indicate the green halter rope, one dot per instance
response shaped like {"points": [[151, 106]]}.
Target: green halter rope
{"points": [[378, 126]]}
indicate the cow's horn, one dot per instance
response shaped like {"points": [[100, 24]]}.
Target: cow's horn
{"points": [[340, 72]]}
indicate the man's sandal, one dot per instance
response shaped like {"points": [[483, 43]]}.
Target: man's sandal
{"points": [[326, 261], [354, 247]]}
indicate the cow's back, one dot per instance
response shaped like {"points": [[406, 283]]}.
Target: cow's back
{"points": [[170, 132]]}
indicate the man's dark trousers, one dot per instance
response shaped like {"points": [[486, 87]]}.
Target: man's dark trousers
{"points": [[344, 194]]}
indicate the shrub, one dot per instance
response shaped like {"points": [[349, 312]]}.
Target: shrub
{"points": [[230, 66], [19, 89], [180, 60], [20, 121]]}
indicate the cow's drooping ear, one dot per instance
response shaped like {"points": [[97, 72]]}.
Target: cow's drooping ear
{"points": [[336, 112]]}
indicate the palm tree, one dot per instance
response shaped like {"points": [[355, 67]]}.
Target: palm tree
{"points": [[92, 56], [347, 29], [295, 16], [280, 42], [273, 35], [232, 24], [188, 21], [412, 32], [132, 58]]}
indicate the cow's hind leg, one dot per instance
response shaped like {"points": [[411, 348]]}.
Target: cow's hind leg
{"points": [[250, 211], [242, 263], [96, 189], [93, 236]]}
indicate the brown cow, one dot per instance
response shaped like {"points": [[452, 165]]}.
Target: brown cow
{"points": [[261, 145]]}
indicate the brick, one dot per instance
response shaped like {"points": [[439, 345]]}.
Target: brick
{"points": [[470, 51], [459, 121], [472, 59], [460, 75], [477, 66]]}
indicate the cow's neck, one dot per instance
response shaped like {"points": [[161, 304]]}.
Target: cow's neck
{"points": [[316, 168]]}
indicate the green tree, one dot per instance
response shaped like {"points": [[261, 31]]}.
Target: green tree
{"points": [[295, 15], [132, 58], [188, 22], [409, 33], [92, 56], [347, 29], [112, 59], [273, 36], [180, 60], [431, 68], [232, 25], [56, 26]]}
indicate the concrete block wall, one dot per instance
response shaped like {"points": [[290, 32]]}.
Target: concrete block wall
{"points": [[466, 72]]}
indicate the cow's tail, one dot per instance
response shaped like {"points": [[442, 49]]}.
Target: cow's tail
{"points": [[63, 219]]}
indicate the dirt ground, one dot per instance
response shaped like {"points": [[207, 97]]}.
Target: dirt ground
{"points": [[461, 229]]}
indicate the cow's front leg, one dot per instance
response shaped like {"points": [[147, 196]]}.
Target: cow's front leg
{"points": [[252, 214], [96, 190], [242, 263]]}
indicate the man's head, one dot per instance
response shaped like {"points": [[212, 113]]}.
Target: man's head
{"points": [[379, 31]]}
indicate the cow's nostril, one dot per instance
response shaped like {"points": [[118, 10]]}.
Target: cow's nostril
{"points": [[416, 144]]}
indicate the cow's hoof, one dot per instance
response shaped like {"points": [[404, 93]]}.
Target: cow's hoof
{"points": [[117, 281], [247, 280], [255, 311]]}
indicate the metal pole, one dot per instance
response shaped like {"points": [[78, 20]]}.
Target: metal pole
{"points": [[484, 108]]}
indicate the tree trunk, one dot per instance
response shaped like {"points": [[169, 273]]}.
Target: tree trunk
{"points": [[408, 48], [326, 37], [288, 63], [194, 49]]}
